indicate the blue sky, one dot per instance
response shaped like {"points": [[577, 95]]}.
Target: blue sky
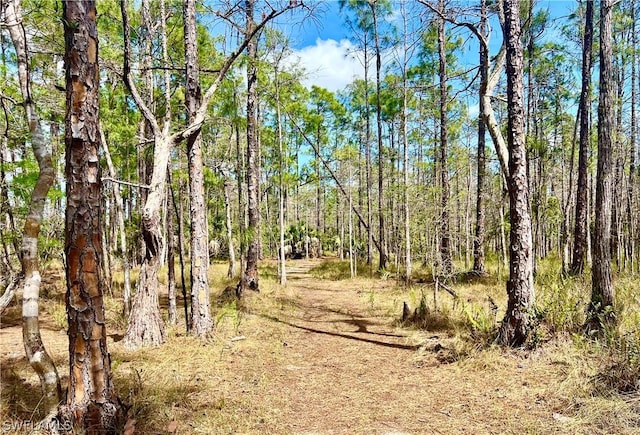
{"points": [[323, 45]]}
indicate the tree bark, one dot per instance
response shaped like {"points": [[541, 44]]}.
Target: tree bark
{"points": [[231, 272], [445, 234], [516, 325], [478, 241], [36, 353], [281, 230], [91, 404], [171, 257], [632, 145], [201, 321], [601, 308], [249, 279], [584, 108], [382, 245]]}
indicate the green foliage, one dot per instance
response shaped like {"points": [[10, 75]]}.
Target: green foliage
{"points": [[51, 240], [229, 312]]}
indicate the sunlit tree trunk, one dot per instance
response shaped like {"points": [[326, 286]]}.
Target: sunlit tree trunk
{"points": [[231, 272], [584, 106], [36, 353], [382, 245], [91, 400], [281, 251], [478, 241], [146, 327], [249, 278], [602, 302], [201, 321], [516, 325], [445, 234], [631, 252], [122, 234]]}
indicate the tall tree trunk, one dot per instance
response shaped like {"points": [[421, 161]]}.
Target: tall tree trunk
{"points": [[231, 272], [91, 400], [478, 241], [171, 256], [382, 245], [249, 278], [445, 233], [405, 154], [179, 210], [516, 324], [119, 206], [632, 145], [601, 306], [367, 139], [145, 327], [201, 321], [282, 254], [34, 348]]}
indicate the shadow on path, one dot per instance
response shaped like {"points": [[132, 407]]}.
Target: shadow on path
{"points": [[337, 334]]}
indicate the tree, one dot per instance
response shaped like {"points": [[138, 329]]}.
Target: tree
{"points": [[249, 279], [384, 256], [601, 308], [580, 230], [33, 345], [516, 325], [201, 322], [91, 403], [478, 241], [445, 234], [145, 326]]}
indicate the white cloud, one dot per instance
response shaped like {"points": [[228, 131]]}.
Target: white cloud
{"points": [[329, 63]]}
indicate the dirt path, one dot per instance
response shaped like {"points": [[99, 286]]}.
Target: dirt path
{"points": [[351, 371], [319, 357]]}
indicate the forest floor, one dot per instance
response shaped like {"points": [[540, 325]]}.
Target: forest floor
{"points": [[329, 356]]}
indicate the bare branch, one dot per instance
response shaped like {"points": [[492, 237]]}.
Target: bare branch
{"points": [[126, 183]]}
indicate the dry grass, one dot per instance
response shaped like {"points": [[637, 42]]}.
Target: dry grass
{"points": [[329, 356]]}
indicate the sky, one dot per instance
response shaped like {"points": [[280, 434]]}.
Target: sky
{"points": [[322, 45]]}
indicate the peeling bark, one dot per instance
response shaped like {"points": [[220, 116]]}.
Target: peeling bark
{"points": [[516, 325], [601, 308], [91, 403], [249, 278]]}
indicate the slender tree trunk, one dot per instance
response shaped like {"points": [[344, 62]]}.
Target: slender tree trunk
{"points": [[405, 175], [201, 321], [91, 404], [602, 302], [231, 272], [34, 348], [119, 206], [384, 256], [516, 324], [249, 278], [178, 209], [445, 234], [281, 251], [478, 241], [367, 140], [632, 145], [171, 248]]}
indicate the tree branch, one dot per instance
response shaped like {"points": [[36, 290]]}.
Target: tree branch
{"points": [[126, 183]]}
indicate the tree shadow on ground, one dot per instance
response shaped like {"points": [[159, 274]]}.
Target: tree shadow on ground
{"points": [[342, 335]]}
